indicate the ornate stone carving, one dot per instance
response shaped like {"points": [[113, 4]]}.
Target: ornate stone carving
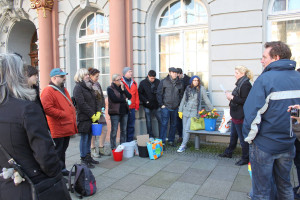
{"points": [[2, 44], [42, 5], [5, 29], [8, 10], [84, 4]]}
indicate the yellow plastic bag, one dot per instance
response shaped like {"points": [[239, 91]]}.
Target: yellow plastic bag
{"points": [[197, 124]]}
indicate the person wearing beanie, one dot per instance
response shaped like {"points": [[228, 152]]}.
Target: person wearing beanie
{"points": [[134, 103], [33, 77], [190, 105]]}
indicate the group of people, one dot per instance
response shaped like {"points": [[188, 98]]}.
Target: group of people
{"points": [[36, 128]]}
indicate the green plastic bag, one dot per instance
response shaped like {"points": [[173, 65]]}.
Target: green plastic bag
{"points": [[197, 124]]}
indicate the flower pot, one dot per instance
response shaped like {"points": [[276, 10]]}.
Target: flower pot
{"points": [[210, 124]]}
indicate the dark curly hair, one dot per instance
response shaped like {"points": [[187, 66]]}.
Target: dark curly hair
{"points": [[280, 49]]}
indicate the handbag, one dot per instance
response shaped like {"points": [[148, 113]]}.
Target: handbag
{"points": [[197, 124], [155, 149]]}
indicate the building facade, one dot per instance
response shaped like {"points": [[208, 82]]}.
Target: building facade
{"points": [[204, 37]]}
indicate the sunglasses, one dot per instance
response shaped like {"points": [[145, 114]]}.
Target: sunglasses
{"points": [[117, 79]]}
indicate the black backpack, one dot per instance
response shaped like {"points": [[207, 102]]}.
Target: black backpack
{"points": [[84, 182]]}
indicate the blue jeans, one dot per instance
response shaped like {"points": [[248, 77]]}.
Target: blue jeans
{"points": [[148, 114], [268, 167], [115, 119], [236, 132], [85, 144], [130, 125], [167, 114], [297, 164]]}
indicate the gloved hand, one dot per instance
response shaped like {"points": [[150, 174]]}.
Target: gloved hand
{"points": [[94, 118], [180, 115], [98, 115]]}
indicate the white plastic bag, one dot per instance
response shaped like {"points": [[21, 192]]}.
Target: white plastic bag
{"points": [[224, 126], [120, 148]]}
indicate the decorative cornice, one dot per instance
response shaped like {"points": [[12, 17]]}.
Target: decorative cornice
{"points": [[42, 5], [10, 11]]}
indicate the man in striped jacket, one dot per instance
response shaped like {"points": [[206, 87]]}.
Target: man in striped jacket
{"points": [[267, 126]]}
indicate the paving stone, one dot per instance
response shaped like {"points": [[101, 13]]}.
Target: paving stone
{"points": [[98, 170], [110, 194], [241, 184], [104, 182], [205, 164], [162, 179], [244, 170], [197, 197], [145, 192], [230, 162], [150, 168], [224, 173], [194, 176], [110, 163], [187, 158], [233, 195], [136, 161], [215, 188], [180, 191], [119, 171], [130, 182], [178, 166]]}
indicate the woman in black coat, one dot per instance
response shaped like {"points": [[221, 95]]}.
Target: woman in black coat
{"points": [[237, 100], [88, 111], [24, 133]]}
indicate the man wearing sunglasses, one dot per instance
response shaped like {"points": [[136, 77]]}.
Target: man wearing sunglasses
{"points": [[60, 113]]}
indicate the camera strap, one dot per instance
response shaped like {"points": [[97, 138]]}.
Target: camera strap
{"points": [[17, 167]]}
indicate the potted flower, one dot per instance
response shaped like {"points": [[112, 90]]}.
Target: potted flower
{"points": [[210, 119]]}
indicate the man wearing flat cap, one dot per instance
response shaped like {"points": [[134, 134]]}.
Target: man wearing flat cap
{"points": [[132, 88], [60, 113], [169, 93]]}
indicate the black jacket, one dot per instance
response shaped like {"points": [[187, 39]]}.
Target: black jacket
{"points": [[186, 81], [117, 104], [170, 93], [24, 135], [239, 98], [86, 106], [147, 93]]}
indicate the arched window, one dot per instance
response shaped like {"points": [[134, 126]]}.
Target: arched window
{"points": [[93, 45], [284, 19], [182, 34]]}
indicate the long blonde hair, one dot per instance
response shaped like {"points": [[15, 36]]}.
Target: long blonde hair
{"points": [[245, 70], [80, 74], [13, 81]]}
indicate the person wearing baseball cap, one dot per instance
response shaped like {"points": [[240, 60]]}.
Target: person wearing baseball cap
{"points": [[60, 113]]}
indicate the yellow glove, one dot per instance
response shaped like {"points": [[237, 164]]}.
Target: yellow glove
{"points": [[94, 118], [180, 115], [98, 115]]}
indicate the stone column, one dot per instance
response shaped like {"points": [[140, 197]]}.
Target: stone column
{"points": [[117, 36], [44, 9]]}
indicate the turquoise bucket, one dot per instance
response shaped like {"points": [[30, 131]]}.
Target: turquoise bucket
{"points": [[96, 129], [210, 124]]}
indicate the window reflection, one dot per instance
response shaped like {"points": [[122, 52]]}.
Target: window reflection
{"points": [[286, 5]]}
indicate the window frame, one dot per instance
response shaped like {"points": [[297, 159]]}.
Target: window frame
{"points": [[102, 37]]}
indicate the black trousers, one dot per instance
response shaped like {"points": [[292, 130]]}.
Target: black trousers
{"points": [[61, 148]]}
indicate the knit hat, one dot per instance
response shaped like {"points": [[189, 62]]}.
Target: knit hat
{"points": [[192, 78], [30, 70], [126, 69]]}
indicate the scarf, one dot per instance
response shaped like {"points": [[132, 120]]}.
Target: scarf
{"points": [[239, 83]]}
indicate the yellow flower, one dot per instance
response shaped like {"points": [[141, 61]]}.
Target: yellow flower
{"points": [[214, 110]]}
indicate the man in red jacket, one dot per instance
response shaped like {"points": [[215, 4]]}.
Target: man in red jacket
{"points": [[60, 113], [134, 103]]}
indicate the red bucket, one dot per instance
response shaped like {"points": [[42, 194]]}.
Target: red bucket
{"points": [[117, 155]]}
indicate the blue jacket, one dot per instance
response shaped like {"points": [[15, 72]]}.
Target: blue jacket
{"points": [[267, 122]]}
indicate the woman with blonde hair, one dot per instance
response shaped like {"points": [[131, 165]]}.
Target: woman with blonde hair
{"points": [[236, 100], [88, 111]]}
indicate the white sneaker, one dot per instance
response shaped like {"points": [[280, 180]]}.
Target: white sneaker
{"points": [[95, 153], [181, 149]]}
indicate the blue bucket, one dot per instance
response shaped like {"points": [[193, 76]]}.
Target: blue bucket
{"points": [[96, 129], [210, 124]]}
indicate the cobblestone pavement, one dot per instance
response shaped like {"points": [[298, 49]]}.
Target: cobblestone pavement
{"points": [[189, 175]]}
